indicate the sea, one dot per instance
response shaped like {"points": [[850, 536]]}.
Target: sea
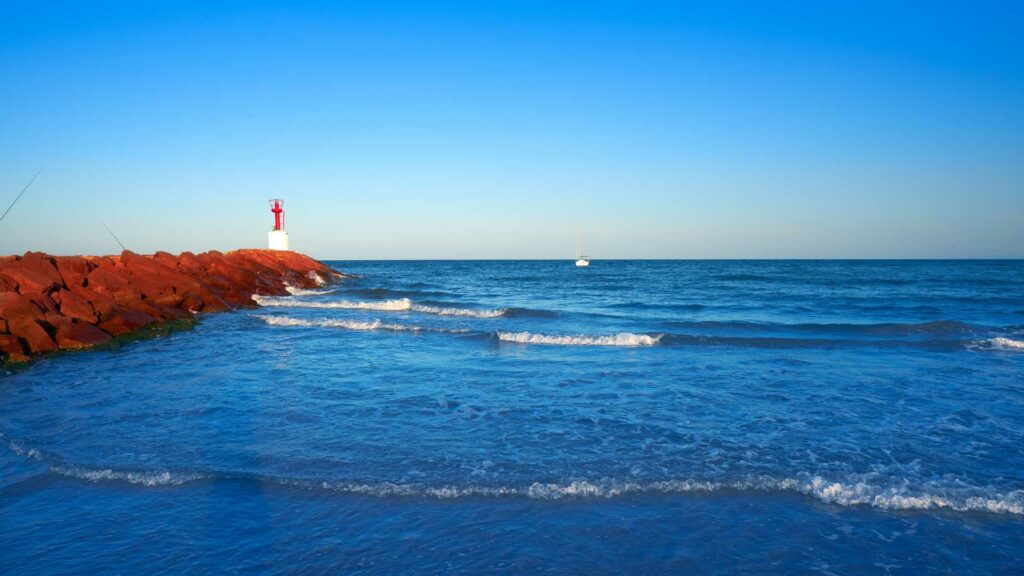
{"points": [[532, 417]]}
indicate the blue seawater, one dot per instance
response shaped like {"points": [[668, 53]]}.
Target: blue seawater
{"points": [[697, 417]]}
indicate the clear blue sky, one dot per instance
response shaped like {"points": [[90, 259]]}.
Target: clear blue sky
{"points": [[486, 129]]}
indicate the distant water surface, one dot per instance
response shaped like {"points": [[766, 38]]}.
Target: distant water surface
{"points": [[839, 417]]}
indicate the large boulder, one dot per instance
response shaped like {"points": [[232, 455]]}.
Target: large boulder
{"points": [[73, 270], [125, 321], [35, 273], [76, 335], [33, 335], [75, 307], [12, 347], [14, 305]]}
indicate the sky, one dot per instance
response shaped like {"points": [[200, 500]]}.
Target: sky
{"points": [[398, 130]]}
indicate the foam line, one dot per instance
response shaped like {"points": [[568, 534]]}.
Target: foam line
{"points": [[620, 339]]}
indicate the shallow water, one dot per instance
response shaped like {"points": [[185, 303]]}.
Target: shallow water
{"points": [[635, 416]]}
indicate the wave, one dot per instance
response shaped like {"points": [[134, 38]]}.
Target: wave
{"points": [[453, 311], [306, 292], [352, 324], [1001, 343], [958, 498], [889, 493], [287, 302], [159, 478], [396, 305], [620, 339]]}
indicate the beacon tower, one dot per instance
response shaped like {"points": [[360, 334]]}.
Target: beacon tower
{"points": [[277, 239]]}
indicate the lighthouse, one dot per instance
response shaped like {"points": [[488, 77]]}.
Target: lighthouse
{"points": [[277, 239]]}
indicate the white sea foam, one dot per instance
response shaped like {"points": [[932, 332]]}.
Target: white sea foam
{"points": [[1005, 343], [306, 292], [620, 339], [853, 493], [382, 305], [851, 490], [352, 324], [316, 278], [332, 323], [396, 305], [452, 311], [19, 449], [157, 478], [844, 494]]}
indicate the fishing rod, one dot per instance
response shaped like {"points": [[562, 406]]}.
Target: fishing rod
{"points": [[114, 235], [20, 194]]}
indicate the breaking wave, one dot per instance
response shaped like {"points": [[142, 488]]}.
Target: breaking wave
{"points": [[888, 493], [286, 302], [161, 478], [621, 339], [306, 292], [395, 305], [452, 311], [853, 493], [353, 324], [1003, 344]]}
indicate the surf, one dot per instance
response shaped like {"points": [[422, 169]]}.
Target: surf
{"points": [[393, 305], [620, 339]]}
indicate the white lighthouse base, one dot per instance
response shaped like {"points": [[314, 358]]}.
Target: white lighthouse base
{"points": [[277, 240]]}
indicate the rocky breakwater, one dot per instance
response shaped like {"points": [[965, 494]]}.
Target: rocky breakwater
{"points": [[50, 303]]}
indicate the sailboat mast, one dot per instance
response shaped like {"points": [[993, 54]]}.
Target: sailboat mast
{"points": [[577, 240]]}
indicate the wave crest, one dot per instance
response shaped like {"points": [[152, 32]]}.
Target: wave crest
{"points": [[620, 339], [352, 324], [1004, 343], [159, 478], [394, 305], [893, 493], [452, 311], [287, 302], [294, 291]]}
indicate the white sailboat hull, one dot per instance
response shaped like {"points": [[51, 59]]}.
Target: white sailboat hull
{"points": [[581, 260]]}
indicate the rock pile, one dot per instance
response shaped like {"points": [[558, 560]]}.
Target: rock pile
{"points": [[50, 303]]}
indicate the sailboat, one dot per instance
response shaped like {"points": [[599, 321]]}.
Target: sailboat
{"points": [[581, 260]]}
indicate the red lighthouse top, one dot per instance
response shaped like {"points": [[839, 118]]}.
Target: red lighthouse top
{"points": [[277, 207]]}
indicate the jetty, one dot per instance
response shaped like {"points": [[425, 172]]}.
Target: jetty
{"points": [[51, 303]]}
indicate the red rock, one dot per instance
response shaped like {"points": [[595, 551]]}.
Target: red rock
{"points": [[80, 335], [33, 335], [104, 306], [43, 301], [79, 301], [8, 284], [167, 259], [14, 305], [11, 346], [75, 307], [114, 282], [73, 269], [34, 272], [125, 321], [171, 300]]}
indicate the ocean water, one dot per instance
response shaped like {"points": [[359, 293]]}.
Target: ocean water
{"points": [[697, 417]]}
